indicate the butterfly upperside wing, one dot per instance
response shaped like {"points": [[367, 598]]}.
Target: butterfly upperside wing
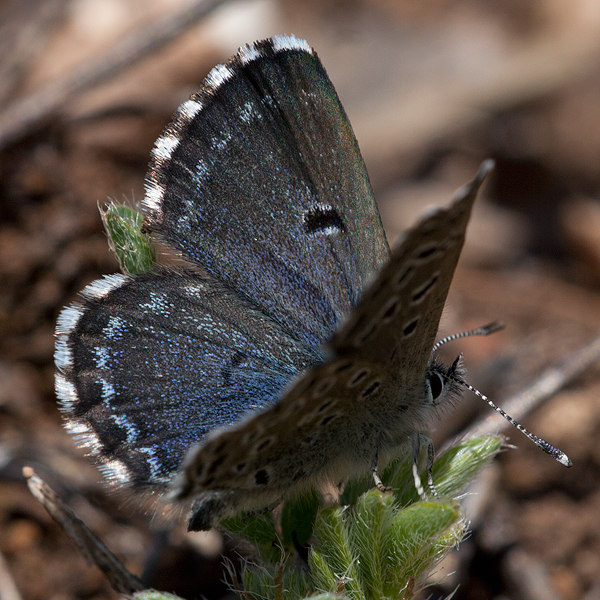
{"points": [[148, 364], [333, 419], [260, 181]]}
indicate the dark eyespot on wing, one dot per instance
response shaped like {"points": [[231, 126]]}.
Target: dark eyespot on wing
{"points": [[358, 377], [424, 290], [227, 371], [326, 420], [410, 327], [266, 443], [427, 251], [390, 309], [325, 405], [343, 366], [403, 276], [371, 389], [216, 464], [262, 477], [323, 219]]}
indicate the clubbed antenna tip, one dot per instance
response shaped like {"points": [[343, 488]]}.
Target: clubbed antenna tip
{"points": [[485, 330], [555, 453]]}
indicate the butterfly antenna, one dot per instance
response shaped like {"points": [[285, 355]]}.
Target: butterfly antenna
{"points": [[485, 330], [555, 453], [451, 374]]}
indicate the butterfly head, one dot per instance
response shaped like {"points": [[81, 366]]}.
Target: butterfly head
{"points": [[442, 383]]}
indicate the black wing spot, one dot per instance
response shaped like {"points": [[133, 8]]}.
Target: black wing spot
{"points": [[324, 386], [400, 279], [220, 447], [325, 405], [261, 477], [365, 334], [428, 251], [409, 329], [208, 481], [377, 286], [390, 310], [371, 389], [265, 444], [325, 421], [227, 371], [344, 366], [215, 465], [358, 377], [323, 219], [420, 294], [250, 436]]}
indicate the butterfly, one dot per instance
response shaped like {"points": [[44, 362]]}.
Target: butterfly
{"points": [[295, 347]]}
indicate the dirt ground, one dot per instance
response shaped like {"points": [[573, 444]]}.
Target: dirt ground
{"points": [[432, 88]]}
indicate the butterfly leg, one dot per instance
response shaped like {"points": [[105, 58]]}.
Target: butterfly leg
{"points": [[430, 459], [378, 483], [416, 450], [207, 511]]}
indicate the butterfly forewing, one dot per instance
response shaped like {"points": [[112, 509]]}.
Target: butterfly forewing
{"points": [[260, 180], [396, 322]]}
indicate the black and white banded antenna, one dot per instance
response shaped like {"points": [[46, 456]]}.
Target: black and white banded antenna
{"points": [[548, 448], [485, 330]]}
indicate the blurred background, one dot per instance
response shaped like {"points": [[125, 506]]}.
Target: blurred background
{"points": [[431, 88]]}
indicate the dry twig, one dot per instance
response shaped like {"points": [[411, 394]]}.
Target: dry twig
{"points": [[89, 545], [25, 115], [8, 588]]}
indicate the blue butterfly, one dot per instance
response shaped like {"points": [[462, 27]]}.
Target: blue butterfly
{"points": [[295, 347]]}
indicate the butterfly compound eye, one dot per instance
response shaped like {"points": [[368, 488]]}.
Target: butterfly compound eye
{"points": [[436, 385]]}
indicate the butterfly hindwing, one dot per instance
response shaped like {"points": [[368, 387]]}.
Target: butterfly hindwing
{"points": [[148, 364]]}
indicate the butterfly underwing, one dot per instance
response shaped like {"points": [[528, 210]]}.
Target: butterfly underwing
{"points": [[294, 348]]}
